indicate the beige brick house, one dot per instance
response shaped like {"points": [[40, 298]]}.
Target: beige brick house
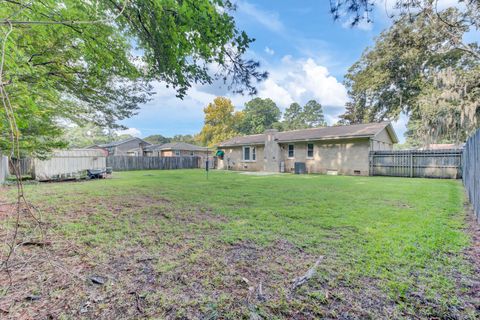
{"points": [[337, 150]]}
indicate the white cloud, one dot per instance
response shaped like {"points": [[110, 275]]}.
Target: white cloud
{"points": [[301, 80], [271, 89], [291, 80], [268, 19], [269, 51], [131, 131]]}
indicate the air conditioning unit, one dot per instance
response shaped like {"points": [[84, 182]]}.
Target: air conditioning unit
{"points": [[300, 168]]}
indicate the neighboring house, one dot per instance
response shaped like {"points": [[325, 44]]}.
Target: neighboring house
{"points": [[122, 148], [339, 149], [176, 149]]}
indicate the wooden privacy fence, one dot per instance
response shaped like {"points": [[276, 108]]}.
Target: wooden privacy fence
{"points": [[126, 163], [417, 163], [471, 171], [24, 165], [3, 168]]}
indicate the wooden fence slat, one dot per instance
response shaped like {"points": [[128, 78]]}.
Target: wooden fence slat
{"points": [[471, 171], [3, 168], [417, 163], [24, 165], [126, 163]]}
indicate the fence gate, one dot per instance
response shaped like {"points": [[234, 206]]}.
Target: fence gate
{"points": [[417, 163]]}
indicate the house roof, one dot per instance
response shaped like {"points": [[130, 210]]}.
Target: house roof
{"points": [[176, 146], [117, 143], [367, 130]]}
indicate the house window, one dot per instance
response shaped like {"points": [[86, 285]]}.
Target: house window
{"points": [[249, 154], [177, 153], [310, 150], [291, 151], [191, 153]]}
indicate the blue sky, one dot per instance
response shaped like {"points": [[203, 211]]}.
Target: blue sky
{"points": [[298, 43]]}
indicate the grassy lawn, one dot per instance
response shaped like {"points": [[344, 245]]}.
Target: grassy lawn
{"points": [[172, 244]]}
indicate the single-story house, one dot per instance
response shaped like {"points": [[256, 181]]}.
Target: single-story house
{"points": [[121, 148], [176, 149], [335, 150]]}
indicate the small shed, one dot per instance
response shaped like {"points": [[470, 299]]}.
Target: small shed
{"points": [[69, 164]]}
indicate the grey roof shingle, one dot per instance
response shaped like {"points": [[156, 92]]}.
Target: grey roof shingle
{"points": [[117, 143], [323, 133]]}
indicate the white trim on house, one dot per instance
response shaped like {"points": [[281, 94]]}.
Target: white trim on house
{"points": [[252, 154]]}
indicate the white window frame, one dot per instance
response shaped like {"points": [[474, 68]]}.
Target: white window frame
{"points": [[313, 151], [288, 151], [252, 154], [177, 153]]}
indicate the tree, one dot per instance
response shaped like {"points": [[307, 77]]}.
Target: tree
{"points": [[157, 139], [221, 122], [313, 114], [188, 138], [293, 117], [259, 115], [412, 69], [310, 116], [357, 11], [84, 71], [89, 135]]}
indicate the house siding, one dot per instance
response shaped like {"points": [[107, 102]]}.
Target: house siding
{"points": [[382, 141], [348, 155], [233, 159], [122, 150], [344, 156]]}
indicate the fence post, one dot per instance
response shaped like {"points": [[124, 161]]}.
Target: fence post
{"points": [[371, 159], [411, 164]]}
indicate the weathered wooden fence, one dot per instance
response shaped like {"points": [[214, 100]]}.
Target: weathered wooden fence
{"points": [[24, 165], [3, 168], [471, 171], [126, 163], [417, 163]]}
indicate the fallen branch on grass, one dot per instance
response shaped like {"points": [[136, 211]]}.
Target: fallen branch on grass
{"points": [[34, 243], [297, 282]]}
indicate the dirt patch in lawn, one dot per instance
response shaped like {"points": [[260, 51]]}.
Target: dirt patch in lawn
{"points": [[193, 277], [172, 265]]}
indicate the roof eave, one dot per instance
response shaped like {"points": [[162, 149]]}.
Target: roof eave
{"points": [[326, 138], [392, 133], [241, 144]]}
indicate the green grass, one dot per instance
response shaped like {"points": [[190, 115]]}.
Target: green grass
{"points": [[394, 239]]}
